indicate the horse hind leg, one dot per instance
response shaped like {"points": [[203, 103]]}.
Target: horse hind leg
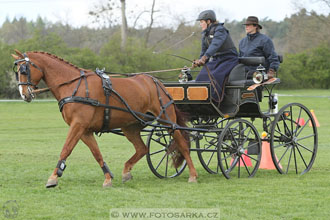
{"points": [[132, 133], [181, 143], [89, 140]]}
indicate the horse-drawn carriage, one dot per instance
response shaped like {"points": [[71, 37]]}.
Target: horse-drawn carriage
{"points": [[224, 134], [225, 140]]}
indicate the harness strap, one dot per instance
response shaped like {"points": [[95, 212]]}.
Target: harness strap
{"points": [[108, 90], [107, 87], [163, 107], [82, 74]]}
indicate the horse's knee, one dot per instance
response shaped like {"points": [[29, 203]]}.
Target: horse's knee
{"points": [[145, 150]]}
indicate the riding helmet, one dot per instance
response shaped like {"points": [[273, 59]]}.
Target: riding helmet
{"points": [[207, 15]]}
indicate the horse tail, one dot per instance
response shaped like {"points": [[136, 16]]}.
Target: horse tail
{"points": [[181, 120]]}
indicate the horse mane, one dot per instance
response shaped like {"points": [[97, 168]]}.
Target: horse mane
{"points": [[57, 58]]}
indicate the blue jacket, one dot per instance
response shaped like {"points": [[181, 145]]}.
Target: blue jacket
{"points": [[221, 43], [259, 45]]}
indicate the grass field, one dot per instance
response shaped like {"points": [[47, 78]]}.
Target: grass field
{"points": [[32, 135]]}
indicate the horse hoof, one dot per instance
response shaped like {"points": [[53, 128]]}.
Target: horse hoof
{"points": [[107, 183], [51, 183], [126, 177], [192, 180]]}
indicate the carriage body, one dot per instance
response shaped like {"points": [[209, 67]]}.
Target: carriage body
{"points": [[195, 97]]}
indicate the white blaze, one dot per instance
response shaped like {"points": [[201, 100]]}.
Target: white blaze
{"points": [[20, 88]]}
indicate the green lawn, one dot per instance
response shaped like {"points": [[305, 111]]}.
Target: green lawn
{"points": [[32, 135]]}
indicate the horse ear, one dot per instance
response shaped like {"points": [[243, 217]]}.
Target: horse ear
{"points": [[19, 53], [15, 56]]}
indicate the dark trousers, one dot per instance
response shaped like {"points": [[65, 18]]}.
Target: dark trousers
{"points": [[219, 68]]}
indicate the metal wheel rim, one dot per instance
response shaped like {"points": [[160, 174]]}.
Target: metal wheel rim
{"points": [[235, 149], [294, 139], [162, 165]]}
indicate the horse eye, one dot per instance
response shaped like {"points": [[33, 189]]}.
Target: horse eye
{"points": [[23, 69]]}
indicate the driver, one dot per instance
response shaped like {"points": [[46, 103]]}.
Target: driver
{"points": [[256, 44], [218, 51]]}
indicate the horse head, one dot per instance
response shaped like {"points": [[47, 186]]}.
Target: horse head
{"points": [[28, 75]]}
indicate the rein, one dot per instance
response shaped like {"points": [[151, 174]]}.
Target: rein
{"points": [[138, 73], [38, 91]]}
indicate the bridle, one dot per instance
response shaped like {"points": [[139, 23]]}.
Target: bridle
{"points": [[24, 69]]}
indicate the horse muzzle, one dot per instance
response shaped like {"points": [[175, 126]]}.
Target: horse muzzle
{"points": [[28, 95]]}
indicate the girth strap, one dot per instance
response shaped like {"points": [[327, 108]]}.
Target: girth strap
{"points": [[107, 87]]}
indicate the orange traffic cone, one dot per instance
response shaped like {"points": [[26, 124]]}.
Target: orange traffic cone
{"points": [[300, 121], [266, 157], [315, 119]]}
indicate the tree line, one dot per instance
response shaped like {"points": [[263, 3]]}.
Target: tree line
{"points": [[303, 40]]}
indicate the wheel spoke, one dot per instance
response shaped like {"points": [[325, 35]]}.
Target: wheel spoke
{"points": [[166, 165], [227, 145], [305, 147], [247, 136], [286, 150], [161, 161], [301, 156], [282, 134], [158, 142], [232, 137], [287, 169], [208, 163], [302, 128], [280, 145], [246, 167], [251, 145], [295, 132], [291, 115], [308, 136], [295, 159], [157, 152], [250, 157], [239, 167], [225, 160]]}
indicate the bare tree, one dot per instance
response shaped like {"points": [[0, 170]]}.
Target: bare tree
{"points": [[151, 21], [107, 12], [123, 24]]}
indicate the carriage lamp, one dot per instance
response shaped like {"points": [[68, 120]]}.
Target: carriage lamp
{"points": [[273, 103], [185, 75], [260, 75]]}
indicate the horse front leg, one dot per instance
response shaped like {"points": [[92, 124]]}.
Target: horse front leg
{"points": [[132, 133], [74, 134], [89, 139]]}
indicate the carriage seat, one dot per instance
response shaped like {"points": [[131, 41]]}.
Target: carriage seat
{"points": [[238, 75], [252, 61]]}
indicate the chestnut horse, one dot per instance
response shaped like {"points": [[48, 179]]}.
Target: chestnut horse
{"points": [[140, 93]]}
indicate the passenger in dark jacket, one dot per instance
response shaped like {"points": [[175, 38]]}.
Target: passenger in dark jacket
{"points": [[256, 44], [218, 53]]}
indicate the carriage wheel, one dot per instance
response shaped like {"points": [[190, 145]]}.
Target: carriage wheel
{"points": [[293, 139], [207, 145], [158, 157], [239, 149]]}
